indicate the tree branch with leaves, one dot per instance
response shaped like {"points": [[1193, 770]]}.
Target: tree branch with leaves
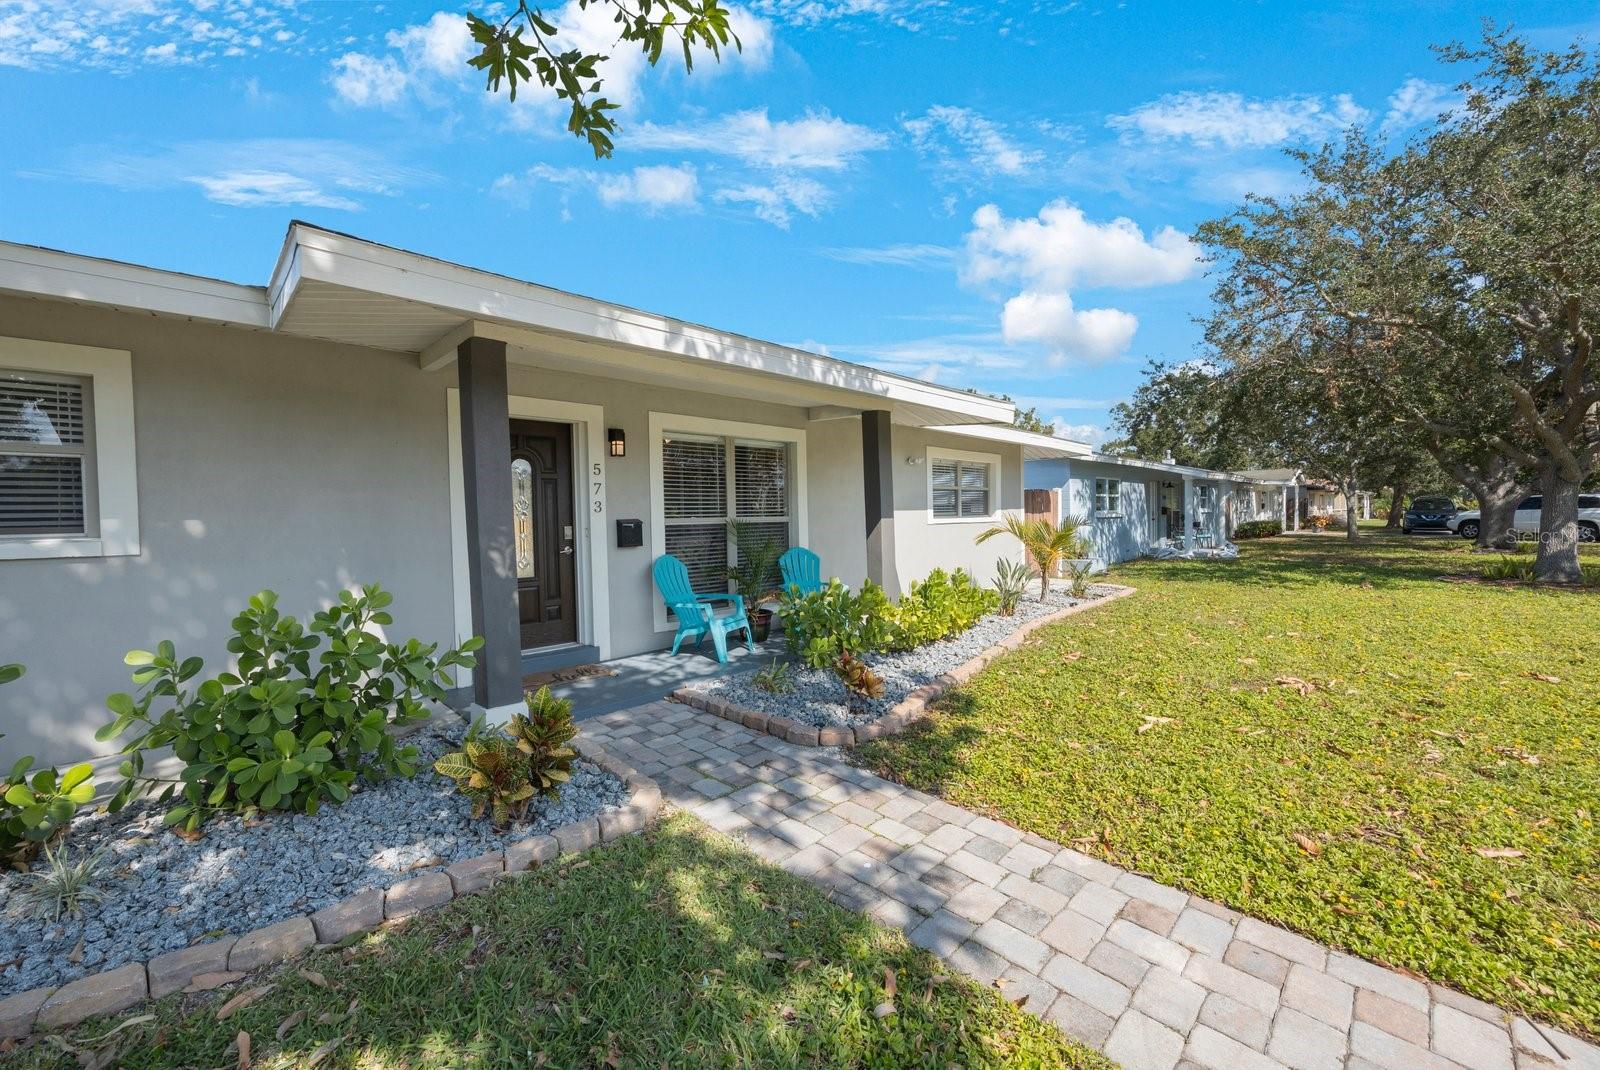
{"points": [[523, 48]]}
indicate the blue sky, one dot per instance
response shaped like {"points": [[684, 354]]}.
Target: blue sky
{"points": [[992, 195]]}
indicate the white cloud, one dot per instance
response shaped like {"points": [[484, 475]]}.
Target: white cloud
{"points": [[254, 172], [902, 13], [1418, 101], [1061, 249], [1041, 401], [365, 81], [905, 255], [269, 189], [961, 144], [653, 187], [1235, 184], [818, 141], [777, 201], [122, 35], [1232, 121], [1051, 320], [1093, 434], [440, 46], [430, 61]]}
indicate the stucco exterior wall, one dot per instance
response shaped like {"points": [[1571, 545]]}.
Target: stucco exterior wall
{"points": [[835, 526], [262, 461], [923, 544]]}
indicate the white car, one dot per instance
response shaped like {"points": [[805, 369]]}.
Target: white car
{"points": [[1526, 524]]}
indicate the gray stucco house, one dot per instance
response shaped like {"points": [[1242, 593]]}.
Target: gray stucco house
{"points": [[507, 458]]}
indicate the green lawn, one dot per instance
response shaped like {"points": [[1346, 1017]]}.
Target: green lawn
{"points": [[1426, 797], [673, 949]]}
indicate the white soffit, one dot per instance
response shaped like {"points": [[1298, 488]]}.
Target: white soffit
{"points": [[1035, 446]]}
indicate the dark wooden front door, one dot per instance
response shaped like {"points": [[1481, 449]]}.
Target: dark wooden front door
{"points": [[541, 492]]}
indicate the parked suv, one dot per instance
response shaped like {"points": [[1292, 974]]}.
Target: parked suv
{"points": [[1429, 513], [1465, 523]]}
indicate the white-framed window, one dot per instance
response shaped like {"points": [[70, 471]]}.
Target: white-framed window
{"points": [[706, 472], [962, 486], [1107, 497], [707, 481], [1205, 504], [68, 479]]}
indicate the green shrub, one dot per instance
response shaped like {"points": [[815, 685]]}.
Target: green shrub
{"points": [[307, 712], [35, 810], [1509, 568], [938, 607], [1010, 584], [1258, 529], [824, 624], [542, 735]]}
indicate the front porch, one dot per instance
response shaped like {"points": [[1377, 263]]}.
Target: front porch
{"points": [[622, 683]]}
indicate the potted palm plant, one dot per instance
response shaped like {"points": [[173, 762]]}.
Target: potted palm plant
{"points": [[752, 576], [1047, 545]]}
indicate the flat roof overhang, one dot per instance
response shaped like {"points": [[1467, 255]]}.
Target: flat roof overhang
{"points": [[332, 286]]}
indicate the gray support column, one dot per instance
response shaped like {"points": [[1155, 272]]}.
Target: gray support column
{"points": [[877, 460], [1188, 513], [491, 557]]}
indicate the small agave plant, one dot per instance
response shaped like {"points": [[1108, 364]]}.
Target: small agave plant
{"points": [[492, 771], [542, 735]]}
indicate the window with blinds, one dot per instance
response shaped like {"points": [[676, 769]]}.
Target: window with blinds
{"points": [[45, 454], [959, 489], [699, 499]]}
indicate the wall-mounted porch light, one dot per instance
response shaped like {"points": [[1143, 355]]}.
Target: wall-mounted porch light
{"points": [[617, 441]]}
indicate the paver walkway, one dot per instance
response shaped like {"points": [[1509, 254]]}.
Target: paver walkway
{"points": [[1151, 975]]}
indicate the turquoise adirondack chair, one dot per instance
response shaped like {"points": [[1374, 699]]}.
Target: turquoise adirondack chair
{"points": [[695, 614], [801, 568]]}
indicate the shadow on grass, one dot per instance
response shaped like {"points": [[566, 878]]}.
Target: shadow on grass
{"points": [[676, 948]]}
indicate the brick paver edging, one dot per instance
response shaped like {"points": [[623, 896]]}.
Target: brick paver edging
{"points": [[218, 962], [904, 713]]}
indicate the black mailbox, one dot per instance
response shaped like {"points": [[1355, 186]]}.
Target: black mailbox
{"points": [[630, 533]]}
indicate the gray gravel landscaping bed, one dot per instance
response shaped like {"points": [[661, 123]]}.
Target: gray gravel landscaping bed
{"points": [[161, 893], [819, 699]]}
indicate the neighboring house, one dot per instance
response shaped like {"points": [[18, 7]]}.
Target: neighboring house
{"points": [[1129, 506], [1311, 497], [508, 459]]}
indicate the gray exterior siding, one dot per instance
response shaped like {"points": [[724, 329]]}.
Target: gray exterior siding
{"points": [[923, 545], [263, 461]]}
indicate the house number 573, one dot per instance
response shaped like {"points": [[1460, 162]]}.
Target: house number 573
{"points": [[599, 485]]}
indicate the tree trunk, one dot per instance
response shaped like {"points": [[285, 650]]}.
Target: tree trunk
{"points": [[1397, 506], [1352, 530], [1497, 513], [1495, 483], [1557, 560]]}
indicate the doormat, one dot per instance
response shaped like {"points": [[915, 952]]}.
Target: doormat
{"points": [[565, 676]]}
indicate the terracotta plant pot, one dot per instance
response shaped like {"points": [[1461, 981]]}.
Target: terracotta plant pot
{"points": [[760, 624]]}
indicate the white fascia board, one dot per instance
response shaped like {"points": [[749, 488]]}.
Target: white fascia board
{"points": [[51, 274], [313, 254]]}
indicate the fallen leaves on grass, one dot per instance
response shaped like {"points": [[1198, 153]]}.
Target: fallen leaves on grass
{"points": [[1498, 852], [1152, 721], [1305, 687], [1307, 844], [890, 988], [242, 1042], [285, 1026], [1544, 676], [242, 1000]]}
